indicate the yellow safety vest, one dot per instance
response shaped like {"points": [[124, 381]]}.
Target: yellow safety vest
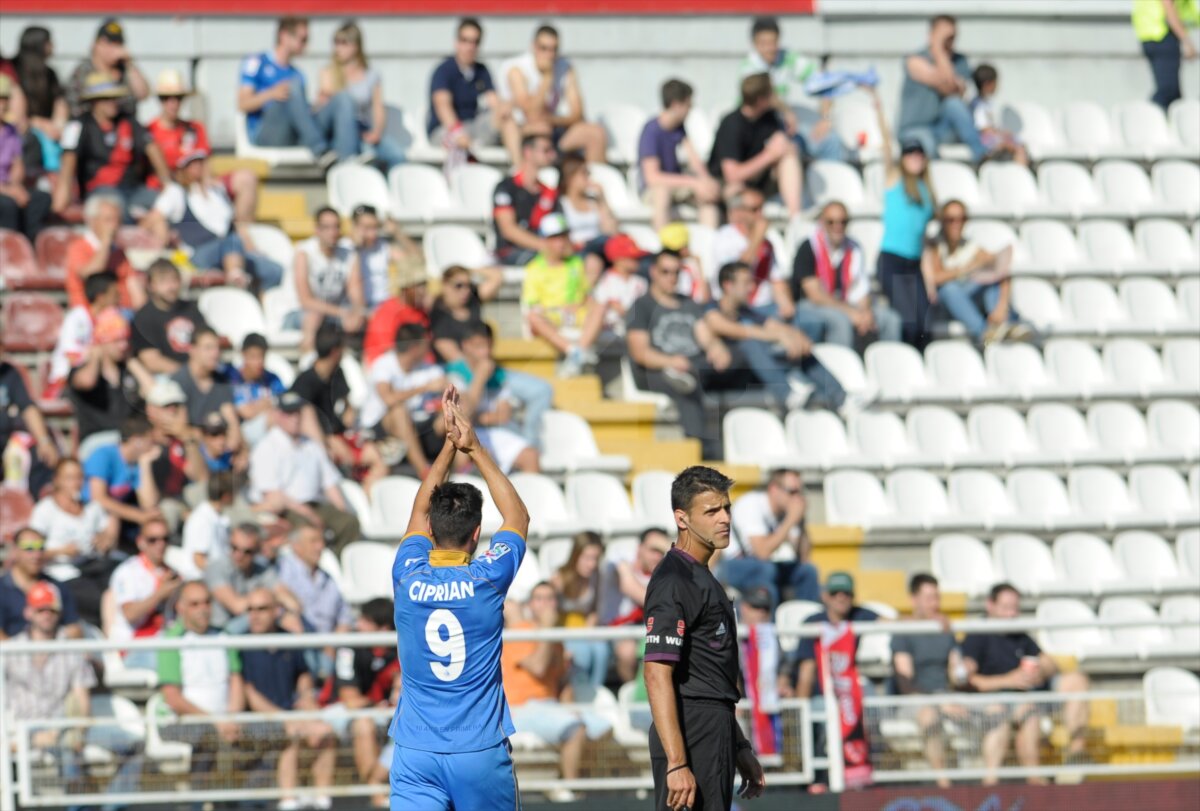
{"points": [[1150, 20]]}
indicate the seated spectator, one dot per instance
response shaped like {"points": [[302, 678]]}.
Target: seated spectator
{"points": [[675, 352], [799, 678], [205, 388], [272, 94], [377, 254], [487, 401], [675, 238], [923, 665], [589, 218], [196, 213], [348, 88], [179, 461], [544, 90], [27, 571], [1013, 662], [964, 275], [46, 108], [932, 109], [323, 608], [999, 142], [760, 658], [106, 387], [328, 280], [21, 415], [213, 442], [459, 305], [232, 578], [621, 285], [95, 251], [554, 297], [661, 177], [75, 334], [291, 475], [779, 355], [763, 523], [789, 70], [278, 681], [744, 239], [536, 683], [407, 306], [457, 120], [110, 57], [105, 149], [79, 538], [178, 137], [521, 201], [831, 285], [206, 531], [163, 329], [255, 388], [623, 594], [21, 208], [196, 682], [143, 591], [120, 478], [752, 150], [577, 583]]}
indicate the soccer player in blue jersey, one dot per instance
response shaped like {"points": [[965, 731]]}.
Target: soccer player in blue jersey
{"points": [[452, 724]]}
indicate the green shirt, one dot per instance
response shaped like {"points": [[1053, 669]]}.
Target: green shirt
{"points": [[789, 72], [1150, 19], [201, 673]]}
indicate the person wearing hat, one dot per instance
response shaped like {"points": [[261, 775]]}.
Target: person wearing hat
{"points": [[620, 286], [179, 460], [109, 56], [799, 677], [20, 209], [106, 149], [407, 305], [554, 295], [675, 238], [661, 179], [908, 206], [107, 386]]}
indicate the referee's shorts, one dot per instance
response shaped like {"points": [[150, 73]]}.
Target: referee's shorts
{"points": [[709, 730]]}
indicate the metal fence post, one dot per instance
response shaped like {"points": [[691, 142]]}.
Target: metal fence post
{"points": [[7, 802], [833, 730]]}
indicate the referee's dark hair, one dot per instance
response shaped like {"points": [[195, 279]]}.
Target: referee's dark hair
{"points": [[695, 480], [921, 579], [380, 611], [455, 512]]}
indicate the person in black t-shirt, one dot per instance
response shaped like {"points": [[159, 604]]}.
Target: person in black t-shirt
{"points": [[460, 307], [691, 661], [752, 148], [18, 412], [163, 328], [108, 386], [520, 201]]}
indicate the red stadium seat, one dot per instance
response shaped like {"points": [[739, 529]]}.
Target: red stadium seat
{"points": [[31, 322], [52, 246], [16, 505], [132, 238], [18, 266]]}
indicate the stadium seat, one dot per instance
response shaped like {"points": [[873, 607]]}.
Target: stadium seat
{"points": [[918, 496], [1184, 115], [1014, 192], [1110, 248], [1143, 125], [350, 184], [51, 249], [1020, 371], [16, 506], [1092, 307], [1068, 186], [884, 438], [1187, 550], [1001, 431], [630, 392], [170, 757], [471, 188], [19, 268], [600, 502], [1187, 293], [272, 155], [981, 494], [700, 245], [624, 205], [1038, 303], [857, 124], [652, 498], [1183, 608], [1101, 492], [939, 432], [1039, 131], [1040, 496], [367, 570], [1085, 642], [360, 505], [1153, 308], [1119, 427], [356, 379], [1060, 429], [1181, 356], [1086, 559], [897, 372], [1053, 246], [962, 563], [1161, 492], [1174, 425], [1026, 562], [1086, 124], [956, 368], [624, 123], [1172, 697], [548, 514], [825, 181], [569, 445], [845, 365], [1148, 558], [1166, 243], [232, 312], [790, 616], [447, 245], [31, 322], [957, 181], [275, 245], [754, 436], [995, 236], [1076, 366], [856, 498], [867, 233], [820, 442], [277, 304], [418, 193], [1177, 183], [875, 647], [700, 129], [1126, 187], [392, 500], [1136, 367]]}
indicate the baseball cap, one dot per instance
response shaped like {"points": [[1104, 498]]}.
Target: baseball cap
{"points": [[674, 236], [759, 598], [165, 393], [254, 341], [214, 423], [43, 595], [110, 326], [839, 582], [553, 225], [911, 145], [291, 403], [112, 31], [191, 157], [622, 246]]}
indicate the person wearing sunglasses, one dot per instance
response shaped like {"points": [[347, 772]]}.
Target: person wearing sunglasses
{"points": [[143, 589], [28, 570], [464, 110]]}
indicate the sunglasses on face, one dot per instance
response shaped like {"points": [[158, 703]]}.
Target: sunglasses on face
{"points": [[835, 220], [154, 538], [31, 546], [260, 607], [953, 219], [47, 610], [242, 550], [790, 491], [841, 594], [459, 285], [469, 40]]}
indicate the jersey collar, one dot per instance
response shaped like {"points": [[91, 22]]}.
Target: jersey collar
{"points": [[448, 557]]}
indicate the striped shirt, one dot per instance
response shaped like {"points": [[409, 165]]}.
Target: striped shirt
{"points": [[37, 685]]}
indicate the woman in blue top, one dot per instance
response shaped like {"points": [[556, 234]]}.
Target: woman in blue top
{"points": [[908, 205]]}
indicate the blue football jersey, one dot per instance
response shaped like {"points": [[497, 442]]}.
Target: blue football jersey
{"points": [[449, 621]]}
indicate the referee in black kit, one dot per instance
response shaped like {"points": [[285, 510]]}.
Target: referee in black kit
{"points": [[692, 660]]}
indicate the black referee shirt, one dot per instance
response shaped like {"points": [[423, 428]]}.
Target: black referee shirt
{"points": [[690, 622]]}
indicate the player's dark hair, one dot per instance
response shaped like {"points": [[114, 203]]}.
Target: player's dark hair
{"points": [[983, 74], [380, 611], [455, 512], [330, 338], [675, 90], [407, 335], [763, 24], [728, 271], [98, 284], [220, 485], [695, 480], [920, 579], [136, 425], [999, 589]]}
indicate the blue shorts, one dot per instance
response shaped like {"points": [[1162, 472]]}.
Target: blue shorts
{"points": [[456, 781]]}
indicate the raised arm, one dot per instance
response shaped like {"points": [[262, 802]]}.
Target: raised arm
{"points": [[885, 137], [460, 433], [418, 522]]}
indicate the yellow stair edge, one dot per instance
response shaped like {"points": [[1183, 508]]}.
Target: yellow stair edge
{"points": [[1143, 735], [836, 534], [887, 586], [600, 412], [224, 164], [671, 455], [570, 392], [510, 349]]}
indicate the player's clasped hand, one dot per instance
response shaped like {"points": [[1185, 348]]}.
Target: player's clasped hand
{"points": [[458, 428], [681, 789]]}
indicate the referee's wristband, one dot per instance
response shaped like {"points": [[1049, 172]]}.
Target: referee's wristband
{"points": [[677, 768]]}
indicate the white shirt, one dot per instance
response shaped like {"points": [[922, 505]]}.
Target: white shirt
{"points": [[373, 264], [386, 369], [74, 338], [299, 467], [210, 207], [132, 581], [526, 66], [624, 290], [61, 529], [751, 517], [206, 532], [205, 674], [728, 245], [328, 276]]}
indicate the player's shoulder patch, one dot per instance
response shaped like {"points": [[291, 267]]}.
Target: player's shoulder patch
{"points": [[496, 551]]}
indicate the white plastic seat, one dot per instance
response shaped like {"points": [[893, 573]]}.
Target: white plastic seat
{"points": [[1038, 303], [652, 498], [1124, 185], [701, 130], [1084, 642], [1174, 426], [1153, 308], [1026, 562], [1102, 493], [360, 505], [1177, 184], [867, 233], [1077, 367], [1060, 429], [1110, 247], [471, 188], [1087, 124], [845, 365], [1181, 356], [982, 495], [616, 192], [1187, 550], [624, 123], [1084, 558], [820, 442], [996, 235], [446, 245], [1137, 367], [553, 555], [1184, 116], [548, 514], [789, 616], [1092, 306], [1148, 558], [754, 436], [856, 498], [939, 432], [957, 181], [232, 312], [1069, 187], [1039, 131], [1143, 124], [1040, 495], [1187, 293], [569, 445], [887, 438], [919, 495], [352, 184], [897, 372], [1020, 371], [272, 155], [1161, 492], [271, 242], [856, 122], [419, 193], [1001, 431], [962, 563], [392, 500], [1166, 243], [277, 304], [601, 503], [1013, 190], [631, 393], [170, 757], [1120, 428], [1183, 608], [837, 180], [1172, 697], [367, 569], [875, 647], [1053, 246], [956, 368]]}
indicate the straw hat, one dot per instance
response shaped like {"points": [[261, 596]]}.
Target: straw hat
{"points": [[170, 83], [99, 85]]}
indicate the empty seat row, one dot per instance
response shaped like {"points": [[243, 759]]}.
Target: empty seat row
{"points": [[1137, 562], [1152, 640], [992, 436], [1092, 307], [1085, 130], [915, 501]]}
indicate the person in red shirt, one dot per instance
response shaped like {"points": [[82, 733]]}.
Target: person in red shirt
{"points": [[95, 251], [408, 306], [176, 136]]}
